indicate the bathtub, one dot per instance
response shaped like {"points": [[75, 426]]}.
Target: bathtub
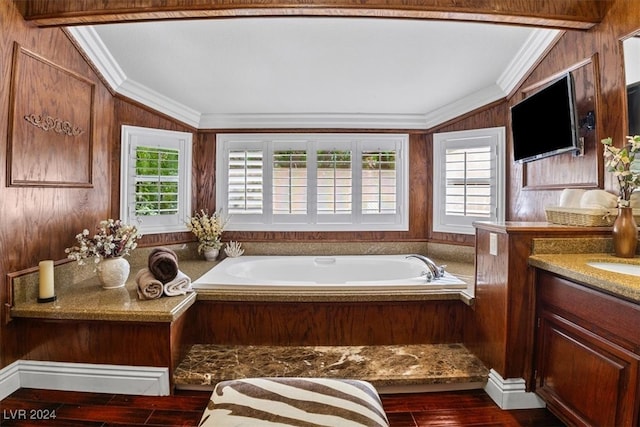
{"points": [[343, 272]]}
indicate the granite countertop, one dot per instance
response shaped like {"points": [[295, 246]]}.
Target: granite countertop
{"points": [[80, 296], [574, 267], [86, 300]]}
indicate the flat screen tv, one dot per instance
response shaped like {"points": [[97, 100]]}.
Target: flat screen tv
{"points": [[545, 124]]}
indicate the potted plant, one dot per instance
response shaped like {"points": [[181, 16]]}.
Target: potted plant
{"points": [[208, 229], [107, 247], [620, 162]]}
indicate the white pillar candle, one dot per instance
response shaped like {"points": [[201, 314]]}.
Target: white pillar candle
{"points": [[46, 289]]}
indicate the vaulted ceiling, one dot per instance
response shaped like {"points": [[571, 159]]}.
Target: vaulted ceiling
{"points": [[331, 65]]}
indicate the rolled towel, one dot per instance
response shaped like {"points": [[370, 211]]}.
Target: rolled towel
{"points": [[148, 286], [178, 286], [597, 199], [570, 197], [163, 264]]}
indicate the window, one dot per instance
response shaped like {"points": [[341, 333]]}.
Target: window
{"points": [[313, 182], [155, 179], [468, 179]]}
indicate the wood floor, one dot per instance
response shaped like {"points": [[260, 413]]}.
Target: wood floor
{"points": [[32, 407]]}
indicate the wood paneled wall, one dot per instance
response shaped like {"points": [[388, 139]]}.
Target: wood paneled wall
{"points": [[37, 223], [327, 323], [601, 49]]}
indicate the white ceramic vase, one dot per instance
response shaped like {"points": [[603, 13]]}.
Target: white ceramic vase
{"points": [[113, 272], [211, 254]]}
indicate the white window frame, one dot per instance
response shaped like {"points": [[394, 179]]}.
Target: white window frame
{"points": [[132, 136], [311, 221], [488, 137]]}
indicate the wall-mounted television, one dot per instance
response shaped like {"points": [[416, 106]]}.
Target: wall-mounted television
{"points": [[545, 124]]}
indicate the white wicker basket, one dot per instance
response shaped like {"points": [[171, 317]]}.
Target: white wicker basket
{"points": [[582, 217]]}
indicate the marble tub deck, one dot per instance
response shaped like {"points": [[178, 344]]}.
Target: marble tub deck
{"points": [[391, 369]]}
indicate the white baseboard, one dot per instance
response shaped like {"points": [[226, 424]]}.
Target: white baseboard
{"points": [[9, 380], [116, 379], [511, 393]]}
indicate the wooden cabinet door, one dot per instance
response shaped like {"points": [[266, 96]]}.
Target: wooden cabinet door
{"points": [[584, 378]]}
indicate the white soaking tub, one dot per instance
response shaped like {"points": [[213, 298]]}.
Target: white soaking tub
{"points": [[343, 272]]}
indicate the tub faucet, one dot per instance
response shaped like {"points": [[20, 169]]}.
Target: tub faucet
{"points": [[435, 271]]}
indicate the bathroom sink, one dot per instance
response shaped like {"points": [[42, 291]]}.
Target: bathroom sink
{"points": [[617, 267]]}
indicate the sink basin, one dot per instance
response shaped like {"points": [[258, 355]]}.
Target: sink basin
{"points": [[617, 267]]}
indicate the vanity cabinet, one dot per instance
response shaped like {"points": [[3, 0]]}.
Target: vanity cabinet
{"points": [[587, 353], [500, 325]]}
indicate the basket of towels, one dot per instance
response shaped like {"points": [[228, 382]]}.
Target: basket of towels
{"points": [[588, 208], [162, 277]]}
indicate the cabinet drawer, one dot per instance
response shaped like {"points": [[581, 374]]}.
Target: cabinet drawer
{"points": [[610, 317]]}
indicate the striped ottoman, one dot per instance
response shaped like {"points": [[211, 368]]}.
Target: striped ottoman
{"points": [[255, 402]]}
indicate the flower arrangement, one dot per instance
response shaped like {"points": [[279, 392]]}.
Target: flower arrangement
{"points": [[620, 162], [208, 229], [114, 239]]}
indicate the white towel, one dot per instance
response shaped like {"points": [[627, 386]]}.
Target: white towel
{"points": [[178, 286], [598, 199], [148, 286], [570, 197]]}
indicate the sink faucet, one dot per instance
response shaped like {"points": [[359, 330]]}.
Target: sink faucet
{"points": [[435, 271]]}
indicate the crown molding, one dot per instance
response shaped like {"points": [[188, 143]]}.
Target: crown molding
{"points": [[464, 105], [157, 101], [93, 46], [313, 120], [90, 42], [529, 54]]}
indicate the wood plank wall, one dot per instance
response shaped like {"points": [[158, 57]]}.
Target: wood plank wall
{"points": [[39, 222], [601, 48], [326, 323]]}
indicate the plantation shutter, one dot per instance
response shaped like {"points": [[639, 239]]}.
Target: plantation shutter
{"points": [[468, 179], [335, 182], [245, 181], [312, 182], [379, 182], [155, 179], [290, 182]]}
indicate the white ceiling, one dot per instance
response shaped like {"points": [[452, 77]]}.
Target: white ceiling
{"points": [[313, 72]]}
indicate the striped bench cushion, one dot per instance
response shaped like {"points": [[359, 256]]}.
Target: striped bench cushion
{"points": [[302, 402]]}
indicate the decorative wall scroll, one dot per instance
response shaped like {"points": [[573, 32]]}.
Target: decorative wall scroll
{"points": [[51, 124], [47, 123]]}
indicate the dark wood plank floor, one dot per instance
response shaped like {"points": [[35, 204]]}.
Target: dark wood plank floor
{"points": [[32, 407]]}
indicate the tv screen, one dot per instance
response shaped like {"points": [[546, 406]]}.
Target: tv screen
{"points": [[544, 124]]}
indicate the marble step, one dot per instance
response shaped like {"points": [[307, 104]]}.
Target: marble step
{"points": [[390, 368]]}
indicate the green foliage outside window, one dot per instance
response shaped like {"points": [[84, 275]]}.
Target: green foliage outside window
{"points": [[334, 159], [156, 181]]}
